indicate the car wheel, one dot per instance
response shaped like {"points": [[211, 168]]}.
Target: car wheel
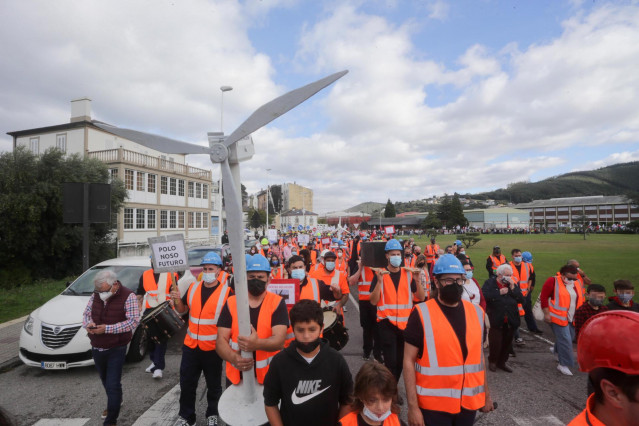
{"points": [[139, 345]]}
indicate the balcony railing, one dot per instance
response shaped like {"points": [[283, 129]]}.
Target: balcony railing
{"points": [[122, 155]]}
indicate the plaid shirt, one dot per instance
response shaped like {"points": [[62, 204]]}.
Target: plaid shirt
{"points": [[132, 313], [583, 314]]}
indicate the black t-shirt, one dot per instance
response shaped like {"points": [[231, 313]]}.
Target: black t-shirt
{"points": [[395, 276], [456, 316], [206, 292], [279, 317]]}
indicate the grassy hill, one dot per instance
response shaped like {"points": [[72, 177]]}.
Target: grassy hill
{"points": [[368, 207]]}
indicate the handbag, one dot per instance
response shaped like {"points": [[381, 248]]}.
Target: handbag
{"points": [[538, 313]]}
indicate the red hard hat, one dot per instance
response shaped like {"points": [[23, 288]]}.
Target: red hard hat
{"points": [[609, 340]]}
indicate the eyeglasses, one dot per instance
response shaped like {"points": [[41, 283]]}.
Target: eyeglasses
{"points": [[449, 281]]}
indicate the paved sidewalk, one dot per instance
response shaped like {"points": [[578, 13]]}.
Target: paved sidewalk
{"points": [[9, 339]]}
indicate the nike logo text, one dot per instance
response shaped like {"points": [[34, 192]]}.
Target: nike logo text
{"points": [[309, 387]]}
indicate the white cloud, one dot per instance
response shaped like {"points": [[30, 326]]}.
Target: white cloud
{"points": [[617, 157], [438, 9]]}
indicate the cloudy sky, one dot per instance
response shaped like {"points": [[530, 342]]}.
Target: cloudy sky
{"points": [[441, 96]]}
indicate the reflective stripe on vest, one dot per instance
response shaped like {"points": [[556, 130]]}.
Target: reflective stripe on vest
{"points": [[559, 304], [497, 261], [448, 388], [202, 327], [522, 281], [264, 331], [151, 287], [364, 284], [397, 313]]}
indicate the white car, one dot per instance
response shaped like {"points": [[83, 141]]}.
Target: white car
{"points": [[53, 338]]}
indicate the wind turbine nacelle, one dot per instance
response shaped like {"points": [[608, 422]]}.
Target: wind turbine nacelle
{"points": [[242, 150]]}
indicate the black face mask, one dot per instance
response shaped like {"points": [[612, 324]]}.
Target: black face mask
{"points": [[420, 265], [308, 347], [256, 286], [451, 293]]}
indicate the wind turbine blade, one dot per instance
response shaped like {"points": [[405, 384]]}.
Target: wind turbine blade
{"points": [[279, 106], [157, 142]]}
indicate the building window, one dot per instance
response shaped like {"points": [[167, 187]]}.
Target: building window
{"points": [[180, 220], [212, 204], [34, 145], [150, 219], [205, 192], [190, 219], [191, 193], [163, 219], [139, 218], [140, 181], [128, 218], [198, 190], [164, 185], [61, 142], [180, 187], [172, 219], [172, 186], [198, 220], [151, 183], [205, 220], [113, 174], [128, 179]]}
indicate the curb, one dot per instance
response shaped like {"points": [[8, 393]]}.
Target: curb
{"points": [[14, 321], [10, 364]]}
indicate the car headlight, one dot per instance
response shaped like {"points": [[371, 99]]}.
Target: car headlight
{"points": [[28, 325]]}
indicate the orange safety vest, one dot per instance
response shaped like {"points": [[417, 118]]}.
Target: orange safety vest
{"points": [[522, 281], [341, 263], [364, 283], [309, 291], [560, 301], [497, 261], [278, 272], [431, 252], [409, 261], [351, 420], [586, 417], [313, 257], [444, 380], [202, 329], [395, 305], [151, 287], [264, 331]]}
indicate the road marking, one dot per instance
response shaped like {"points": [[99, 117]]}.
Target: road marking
{"points": [[543, 339], [541, 421], [162, 413], [355, 302], [61, 422]]}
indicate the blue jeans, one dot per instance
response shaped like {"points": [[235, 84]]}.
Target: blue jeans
{"points": [[157, 351], [194, 363], [109, 364], [564, 335]]}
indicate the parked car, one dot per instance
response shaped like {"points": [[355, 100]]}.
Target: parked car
{"points": [[249, 243], [52, 336], [195, 255]]}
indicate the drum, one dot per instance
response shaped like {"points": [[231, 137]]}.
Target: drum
{"points": [[162, 322], [334, 331]]}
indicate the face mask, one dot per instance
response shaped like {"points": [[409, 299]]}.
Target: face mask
{"points": [[105, 295], [275, 262], [256, 286], [517, 259], [451, 293], [462, 252], [420, 265], [568, 281], [505, 281], [209, 277], [469, 274], [294, 253], [595, 301], [395, 261], [298, 274], [368, 413], [625, 298], [330, 266], [307, 347]]}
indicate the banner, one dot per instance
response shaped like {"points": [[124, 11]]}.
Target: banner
{"points": [[389, 229], [288, 289], [168, 253]]}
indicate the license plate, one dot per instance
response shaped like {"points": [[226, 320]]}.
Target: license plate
{"points": [[53, 365]]}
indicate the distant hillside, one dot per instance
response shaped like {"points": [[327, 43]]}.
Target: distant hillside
{"points": [[368, 207], [618, 179]]}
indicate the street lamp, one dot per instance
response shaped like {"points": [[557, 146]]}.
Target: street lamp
{"points": [[223, 89]]}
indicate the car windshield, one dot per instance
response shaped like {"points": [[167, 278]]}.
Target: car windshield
{"points": [[196, 255], [128, 275]]}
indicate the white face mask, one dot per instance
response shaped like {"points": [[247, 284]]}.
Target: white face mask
{"points": [[368, 413], [209, 277], [105, 295]]}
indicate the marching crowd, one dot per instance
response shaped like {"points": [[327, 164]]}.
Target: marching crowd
{"points": [[424, 317]]}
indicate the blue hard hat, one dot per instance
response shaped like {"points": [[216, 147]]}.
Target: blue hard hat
{"points": [[257, 262], [527, 257], [335, 240], [458, 243], [448, 264], [393, 245], [211, 258]]}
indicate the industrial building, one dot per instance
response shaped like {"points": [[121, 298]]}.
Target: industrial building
{"points": [[497, 218]]}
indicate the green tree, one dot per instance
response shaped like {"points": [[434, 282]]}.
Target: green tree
{"points": [[257, 218], [431, 222], [275, 204], [390, 209], [443, 210], [456, 216], [34, 238]]}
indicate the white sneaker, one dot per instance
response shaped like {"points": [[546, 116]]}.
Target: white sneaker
{"points": [[564, 370], [212, 421], [182, 422], [150, 368], [157, 374]]}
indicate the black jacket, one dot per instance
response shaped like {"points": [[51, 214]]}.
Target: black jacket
{"points": [[310, 394], [500, 306]]}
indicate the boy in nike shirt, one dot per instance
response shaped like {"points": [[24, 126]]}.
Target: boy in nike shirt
{"points": [[311, 379]]}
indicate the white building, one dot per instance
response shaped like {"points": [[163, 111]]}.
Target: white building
{"points": [[165, 195], [292, 219]]}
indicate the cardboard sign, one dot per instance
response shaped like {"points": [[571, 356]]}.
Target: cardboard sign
{"points": [[389, 229], [303, 239], [326, 240], [168, 253], [288, 289], [271, 234]]}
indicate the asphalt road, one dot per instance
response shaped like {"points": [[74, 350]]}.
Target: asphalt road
{"points": [[534, 394]]}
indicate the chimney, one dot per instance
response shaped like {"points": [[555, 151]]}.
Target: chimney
{"points": [[80, 110]]}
